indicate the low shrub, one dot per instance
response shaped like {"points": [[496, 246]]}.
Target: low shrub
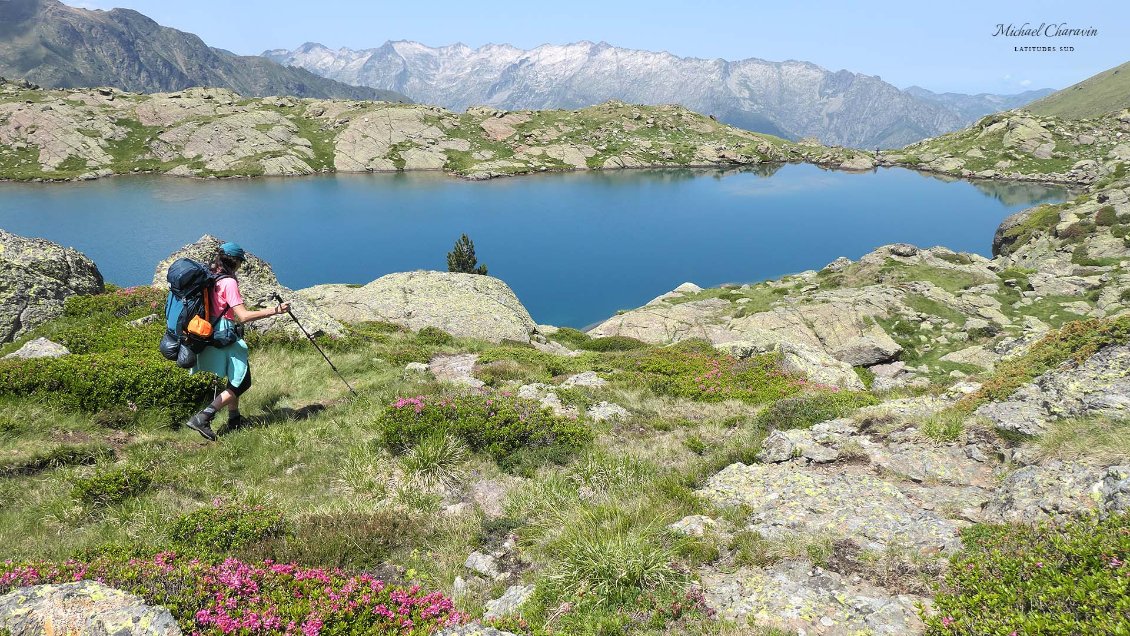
{"points": [[540, 364], [696, 371], [1046, 579], [99, 382], [113, 365], [613, 343], [805, 410], [1076, 231], [111, 486], [434, 336], [499, 424], [1106, 216], [254, 599], [572, 338], [130, 302], [220, 528]]}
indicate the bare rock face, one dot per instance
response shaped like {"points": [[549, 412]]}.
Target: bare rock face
{"points": [[257, 283], [465, 305], [36, 277], [82, 608]]}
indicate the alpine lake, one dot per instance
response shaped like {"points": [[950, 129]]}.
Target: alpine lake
{"points": [[574, 247]]}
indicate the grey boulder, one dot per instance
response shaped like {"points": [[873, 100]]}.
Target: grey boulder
{"points": [[36, 277], [465, 305], [39, 348]]}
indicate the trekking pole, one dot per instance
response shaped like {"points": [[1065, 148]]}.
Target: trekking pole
{"points": [[311, 339]]}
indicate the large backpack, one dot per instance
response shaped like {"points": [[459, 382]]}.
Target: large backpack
{"points": [[190, 319]]}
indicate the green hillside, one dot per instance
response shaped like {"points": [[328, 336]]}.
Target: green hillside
{"points": [[1095, 96]]}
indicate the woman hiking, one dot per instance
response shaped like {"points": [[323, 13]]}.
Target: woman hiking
{"points": [[228, 361]]}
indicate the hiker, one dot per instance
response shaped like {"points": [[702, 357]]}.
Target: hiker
{"points": [[229, 361]]}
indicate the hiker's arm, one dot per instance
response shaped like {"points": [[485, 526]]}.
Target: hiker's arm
{"points": [[244, 316]]}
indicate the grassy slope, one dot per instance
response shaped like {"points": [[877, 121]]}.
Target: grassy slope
{"points": [[354, 502], [1095, 96]]}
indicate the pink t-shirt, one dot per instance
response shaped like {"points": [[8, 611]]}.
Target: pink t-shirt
{"points": [[225, 295]]}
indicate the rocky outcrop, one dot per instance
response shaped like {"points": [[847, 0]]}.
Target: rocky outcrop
{"points": [[36, 277], [258, 284], [826, 322], [787, 500], [82, 608], [214, 132], [1099, 386], [1020, 146], [465, 305]]}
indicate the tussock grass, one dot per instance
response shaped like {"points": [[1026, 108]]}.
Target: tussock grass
{"points": [[1099, 440]]}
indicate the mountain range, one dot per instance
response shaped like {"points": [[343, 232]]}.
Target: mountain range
{"points": [[792, 99], [57, 46]]}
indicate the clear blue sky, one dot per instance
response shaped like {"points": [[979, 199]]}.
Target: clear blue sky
{"points": [[943, 46]]}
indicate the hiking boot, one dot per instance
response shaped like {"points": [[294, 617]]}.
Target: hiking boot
{"points": [[235, 422], [201, 423]]}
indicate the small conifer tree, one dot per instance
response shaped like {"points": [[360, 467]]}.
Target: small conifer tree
{"points": [[462, 258]]}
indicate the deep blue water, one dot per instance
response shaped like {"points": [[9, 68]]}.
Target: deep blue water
{"points": [[574, 247]]}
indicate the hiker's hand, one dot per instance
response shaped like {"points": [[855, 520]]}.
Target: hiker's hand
{"points": [[282, 309]]}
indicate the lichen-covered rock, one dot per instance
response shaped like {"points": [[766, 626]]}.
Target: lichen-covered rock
{"points": [[789, 499], [465, 305], [1115, 490], [39, 348], [257, 284], [457, 369], [868, 350], [586, 379], [509, 602], [803, 599], [693, 525], [1100, 386], [36, 277], [82, 608], [1035, 493], [659, 322], [604, 411]]}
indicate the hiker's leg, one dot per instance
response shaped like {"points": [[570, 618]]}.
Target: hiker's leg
{"points": [[235, 420]]}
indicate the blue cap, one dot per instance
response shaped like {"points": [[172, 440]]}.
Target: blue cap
{"points": [[233, 250]]}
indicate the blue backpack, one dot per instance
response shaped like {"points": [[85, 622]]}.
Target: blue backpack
{"points": [[190, 322]]}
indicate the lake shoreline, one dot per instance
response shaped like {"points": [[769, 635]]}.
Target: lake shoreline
{"points": [[1037, 179], [711, 225]]}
